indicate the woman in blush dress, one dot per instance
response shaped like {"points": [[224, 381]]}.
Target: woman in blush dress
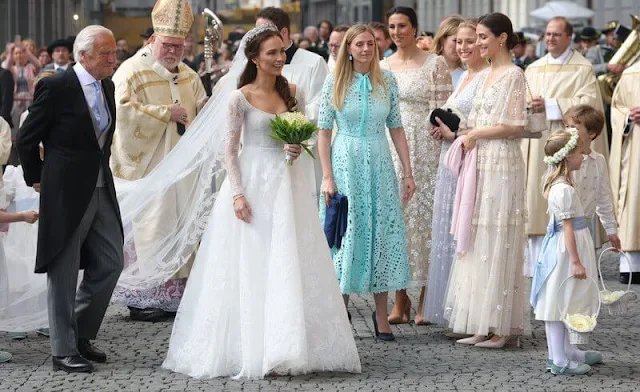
{"points": [[486, 291], [363, 100], [263, 257], [424, 84], [442, 243]]}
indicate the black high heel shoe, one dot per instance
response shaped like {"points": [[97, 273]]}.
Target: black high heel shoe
{"points": [[386, 336]]}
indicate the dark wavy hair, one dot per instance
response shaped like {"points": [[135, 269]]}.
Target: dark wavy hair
{"points": [[406, 11], [500, 23], [250, 72]]}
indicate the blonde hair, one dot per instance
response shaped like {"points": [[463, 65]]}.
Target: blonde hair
{"points": [[344, 67], [448, 27], [556, 141], [470, 23]]}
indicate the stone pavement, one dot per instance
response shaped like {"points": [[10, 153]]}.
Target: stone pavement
{"points": [[422, 359]]}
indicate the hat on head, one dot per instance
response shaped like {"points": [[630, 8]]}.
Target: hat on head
{"points": [[589, 33], [610, 26], [147, 33], [59, 43], [621, 33], [172, 18]]}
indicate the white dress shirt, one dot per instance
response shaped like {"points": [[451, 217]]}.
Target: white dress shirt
{"points": [[593, 186], [86, 81]]}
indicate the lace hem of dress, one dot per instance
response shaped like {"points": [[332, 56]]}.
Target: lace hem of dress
{"points": [[166, 297]]}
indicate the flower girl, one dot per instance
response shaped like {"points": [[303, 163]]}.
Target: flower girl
{"points": [[567, 250]]}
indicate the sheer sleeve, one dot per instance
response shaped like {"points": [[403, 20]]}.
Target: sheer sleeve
{"points": [[394, 119], [514, 110], [235, 120], [562, 201], [442, 83], [327, 110]]}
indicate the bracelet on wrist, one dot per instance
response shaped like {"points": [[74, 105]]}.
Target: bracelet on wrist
{"points": [[236, 197], [404, 176]]}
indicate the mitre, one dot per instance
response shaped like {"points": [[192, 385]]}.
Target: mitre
{"points": [[172, 18]]}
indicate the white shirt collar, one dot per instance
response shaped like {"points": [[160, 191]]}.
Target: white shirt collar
{"points": [[562, 59], [593, 154], [56, 66], [84, 77]]}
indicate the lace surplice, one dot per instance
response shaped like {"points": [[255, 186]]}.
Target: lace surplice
{"points": [[420, 91], [373, 256], [487, 291]]}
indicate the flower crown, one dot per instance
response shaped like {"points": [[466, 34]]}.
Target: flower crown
{"points": [[564, 151], [253, 33]]}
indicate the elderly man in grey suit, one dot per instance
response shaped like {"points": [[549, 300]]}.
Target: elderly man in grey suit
{"points": [[73, 115]]}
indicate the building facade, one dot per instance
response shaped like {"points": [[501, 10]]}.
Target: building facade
{"points": [[43, 20]]}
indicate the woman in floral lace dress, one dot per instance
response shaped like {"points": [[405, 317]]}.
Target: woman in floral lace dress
{"points": [[442, 243], [487, 289], [362, 99], [424, 84]]}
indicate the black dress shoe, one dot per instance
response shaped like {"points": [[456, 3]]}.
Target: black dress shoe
{"points": [[91, 352], [150, 314], [74, 364]]}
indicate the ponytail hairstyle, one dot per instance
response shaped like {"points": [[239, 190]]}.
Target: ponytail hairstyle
{"points": [[558, 146], [250, 72]]}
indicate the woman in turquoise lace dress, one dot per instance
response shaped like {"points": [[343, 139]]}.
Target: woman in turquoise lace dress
{"points": [[363, 100]]}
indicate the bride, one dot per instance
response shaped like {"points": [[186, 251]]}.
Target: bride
{"points": [[262, 297]]}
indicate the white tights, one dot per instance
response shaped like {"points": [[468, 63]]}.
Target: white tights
{"points": [[558, 346]]}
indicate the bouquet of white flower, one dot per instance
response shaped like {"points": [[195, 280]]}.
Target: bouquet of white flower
{"points": [[292, 128]]}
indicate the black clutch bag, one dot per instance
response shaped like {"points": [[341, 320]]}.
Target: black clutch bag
{"points": [[447, 116]]}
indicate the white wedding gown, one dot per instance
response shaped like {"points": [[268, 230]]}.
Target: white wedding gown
{"points": [[262, 297]]}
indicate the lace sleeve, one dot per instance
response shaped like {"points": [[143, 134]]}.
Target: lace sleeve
{"points": [[235, 120], [442, 83], [327, 110], [394, 120], [514, 109]]}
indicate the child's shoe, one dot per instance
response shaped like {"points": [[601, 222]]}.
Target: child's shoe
{"points": [[571, 369], [592, 358], [5, 356]]}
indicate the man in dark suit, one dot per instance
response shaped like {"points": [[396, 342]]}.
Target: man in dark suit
{"points": [[7, 85], [73, 115]]}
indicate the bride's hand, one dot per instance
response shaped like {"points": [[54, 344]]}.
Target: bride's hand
{"points": [[293, 150], [242, 209], [328, 189]]}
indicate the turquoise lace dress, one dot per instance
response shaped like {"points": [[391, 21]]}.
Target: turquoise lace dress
{"points": [[373, 256]]}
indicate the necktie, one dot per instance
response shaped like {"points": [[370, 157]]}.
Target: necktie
{"points": [[59, 70], [99, 111]]}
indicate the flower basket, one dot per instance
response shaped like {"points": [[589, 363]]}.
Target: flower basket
{"points": [[618, 301], [578, 325]]}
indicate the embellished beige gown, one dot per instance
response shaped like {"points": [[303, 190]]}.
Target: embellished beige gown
{"points": [[487, 290], [420, 91]]}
